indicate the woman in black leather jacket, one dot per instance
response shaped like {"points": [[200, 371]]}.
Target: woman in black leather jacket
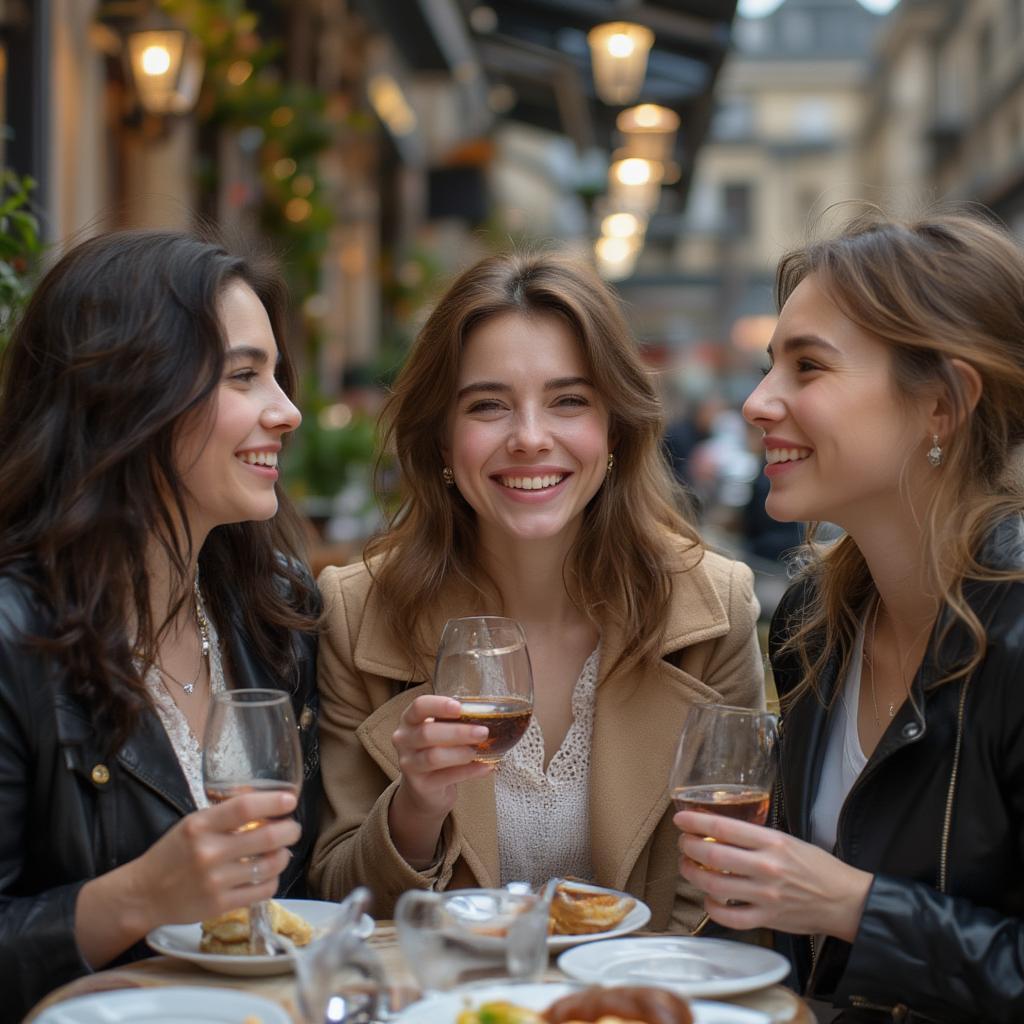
{"points": [[894, 407], [144, 566]]}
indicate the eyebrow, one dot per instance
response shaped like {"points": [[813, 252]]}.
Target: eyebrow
{"points": [[799, 342], [250, 352], [556, 384]]}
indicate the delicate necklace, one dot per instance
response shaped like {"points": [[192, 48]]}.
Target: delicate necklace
{"points": [[204, 639], [871, 671]]}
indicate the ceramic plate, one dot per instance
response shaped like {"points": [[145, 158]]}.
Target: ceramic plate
{"points": [[171, 1005], [182, 941], [443, 1008], [688, 965]]}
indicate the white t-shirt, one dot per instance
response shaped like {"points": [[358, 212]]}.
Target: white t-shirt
{"points": [[844, 758]]}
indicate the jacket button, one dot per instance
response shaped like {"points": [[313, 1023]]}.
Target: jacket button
{"points": [[306, 718], [100, 774], [910, 731]]}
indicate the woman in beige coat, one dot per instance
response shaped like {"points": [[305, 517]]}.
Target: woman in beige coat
{"points": [[528, 434]]}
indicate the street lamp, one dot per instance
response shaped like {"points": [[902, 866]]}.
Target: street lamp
{"points": [[166, 65], [618, 54], [649, 131]]}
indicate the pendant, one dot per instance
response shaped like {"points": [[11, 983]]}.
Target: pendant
{"points": [[189, 687], [892, 710]]}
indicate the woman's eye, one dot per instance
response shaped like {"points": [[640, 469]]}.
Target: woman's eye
{"points": [[806, 366], [765, 370], [572, 401], [487, 405], [244, 376]]}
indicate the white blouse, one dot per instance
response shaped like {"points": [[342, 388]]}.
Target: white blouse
{"points": [[186, 745], [544, 816]]}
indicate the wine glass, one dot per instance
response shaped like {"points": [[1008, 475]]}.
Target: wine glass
{"points": [[251, 744], [725, 762], [483, 663]]}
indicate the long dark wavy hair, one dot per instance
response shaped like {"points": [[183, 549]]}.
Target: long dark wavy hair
{"points": [[121, 348], [621, 565]]}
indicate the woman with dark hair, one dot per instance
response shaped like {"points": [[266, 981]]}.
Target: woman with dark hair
{"points": [[894, 407], [534, 486], [147, 561]]}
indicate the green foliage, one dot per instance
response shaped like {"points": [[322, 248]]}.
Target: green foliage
{"points": [[20, 247]]}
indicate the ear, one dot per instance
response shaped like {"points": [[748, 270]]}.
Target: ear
{"points": [[944, 415]]}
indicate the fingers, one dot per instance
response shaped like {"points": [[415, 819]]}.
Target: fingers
{"points": [[726, 830], [239, 811], [431, 705], [722, 857]]}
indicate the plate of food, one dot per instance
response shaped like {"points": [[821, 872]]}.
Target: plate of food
{"points": [[580, 912], [223, 943], [689, 965], [167, 1005], [559, 1003]]}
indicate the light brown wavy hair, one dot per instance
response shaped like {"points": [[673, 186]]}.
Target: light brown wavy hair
{"points": [[945, 287], [618, 569]]}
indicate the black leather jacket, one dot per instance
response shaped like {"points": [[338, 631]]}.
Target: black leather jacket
{"points": [[937, 816], [69, 813]]}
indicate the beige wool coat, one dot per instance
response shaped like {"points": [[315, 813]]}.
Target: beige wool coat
{"points": [[710, 654]]}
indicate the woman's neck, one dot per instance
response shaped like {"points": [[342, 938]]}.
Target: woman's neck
{"points": [[165, 590]]}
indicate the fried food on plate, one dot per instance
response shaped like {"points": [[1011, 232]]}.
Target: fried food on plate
{"points": [[231, 933], [580, 911]]}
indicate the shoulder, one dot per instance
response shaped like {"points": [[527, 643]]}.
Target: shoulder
{"points": [[21, 607], [348, 584], [696, 569]]}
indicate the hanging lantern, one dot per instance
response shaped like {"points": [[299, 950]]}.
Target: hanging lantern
{"points": [[166, 66], [623, 225], [634, 185], [649, 131], [615, 257], [618, 55]]}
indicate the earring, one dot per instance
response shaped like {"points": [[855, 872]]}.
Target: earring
{"points": [[448, 475], [935, 452], [611, 464]]}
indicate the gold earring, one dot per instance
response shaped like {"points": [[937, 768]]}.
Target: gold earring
{"points": [[935, 453], [611, 464], [448, 475]]}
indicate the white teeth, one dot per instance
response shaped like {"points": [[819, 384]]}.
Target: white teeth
{"points": [[775, 455], [260, 459], [532, 483]]}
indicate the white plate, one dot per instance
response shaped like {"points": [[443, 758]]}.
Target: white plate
{"points": [[171, 1005], [632, 922], [182, 941], [443, 1008], [689, 965]]}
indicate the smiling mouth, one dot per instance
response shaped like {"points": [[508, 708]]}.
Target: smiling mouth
{"points": [[268, 459], [773, 456], [532, 483]]}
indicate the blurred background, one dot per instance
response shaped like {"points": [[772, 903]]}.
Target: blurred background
{"points": [[381, 145]]}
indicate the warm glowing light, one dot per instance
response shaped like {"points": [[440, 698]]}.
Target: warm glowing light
{"points": [[239, 72], [634, 185], [390, 104], [618, 54], [634, 171], [156, 60], [303, 184], [284, 168], [615, 257], [649, 131], [297, 209], [622, 225], [282, 117], [335, 417]]}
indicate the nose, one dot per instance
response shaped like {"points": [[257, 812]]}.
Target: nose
{"points": [[280, 412], [529, 432], [763, 406]]}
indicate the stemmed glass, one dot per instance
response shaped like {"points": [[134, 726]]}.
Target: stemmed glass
{"points": [[725, 762], [251, 743], [483, 663]]}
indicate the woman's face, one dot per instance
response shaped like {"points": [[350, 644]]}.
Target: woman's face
{"points": [[528, 432], [840, 444], [229, 466]]}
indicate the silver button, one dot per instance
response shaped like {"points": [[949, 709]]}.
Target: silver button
{"points": [[911, 731]]}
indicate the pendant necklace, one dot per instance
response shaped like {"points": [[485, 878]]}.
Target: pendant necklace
{"points": [[204, 639]]}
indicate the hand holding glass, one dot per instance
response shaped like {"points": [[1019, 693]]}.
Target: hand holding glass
{"points": [[251, 743], [725, 762], [483, 663]]}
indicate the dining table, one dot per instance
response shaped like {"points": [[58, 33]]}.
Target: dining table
{"points": [[779, 1003]]}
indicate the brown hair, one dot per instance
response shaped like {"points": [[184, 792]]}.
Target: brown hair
{"points": [[945, 287], [618, 567]]}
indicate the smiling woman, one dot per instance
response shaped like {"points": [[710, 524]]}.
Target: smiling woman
{"points": [[534, 486], [147, 561]]}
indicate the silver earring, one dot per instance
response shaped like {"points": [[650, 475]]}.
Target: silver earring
{"points": [[448, 475], [935, 452]]}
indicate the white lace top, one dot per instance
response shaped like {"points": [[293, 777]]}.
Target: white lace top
{"points": [[544, 816], [185, 743]]}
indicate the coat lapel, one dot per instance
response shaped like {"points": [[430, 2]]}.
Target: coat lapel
{"points": [[474, 816], [637, 721]]}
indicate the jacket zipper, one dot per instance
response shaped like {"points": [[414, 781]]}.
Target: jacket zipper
{"points": [[951, 792]]}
